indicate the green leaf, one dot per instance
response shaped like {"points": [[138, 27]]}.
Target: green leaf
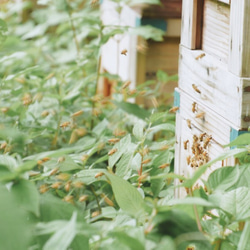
{"points": [[138, 131], [88, 176], [133, 109], [234, 202], [241, 140], [191, 201], [130, 242], [201, 170], [127, 196], [148, 32], [122, 146], [157, 116], [8, 161], [223, 178], [165, 126], [62, 239], [162, 76], [15, 230], [244, 242], [3, 31], [27, 196]]}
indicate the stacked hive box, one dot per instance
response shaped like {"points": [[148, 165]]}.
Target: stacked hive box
{"points": [[214, 81]]}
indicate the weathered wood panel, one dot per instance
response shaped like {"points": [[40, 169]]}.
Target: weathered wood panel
{"points": [[220, 89], [188, 127], [188, 26], [216, 29], [239, 60]]}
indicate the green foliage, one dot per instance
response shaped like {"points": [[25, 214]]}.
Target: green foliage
{"points": [[80, 170]]}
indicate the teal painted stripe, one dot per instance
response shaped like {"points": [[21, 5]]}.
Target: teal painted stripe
{"points": [[157, 23], [177, 99], [235, 133]]}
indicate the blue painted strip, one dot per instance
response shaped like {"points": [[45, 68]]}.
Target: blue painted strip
{"points": [[137, 22], [177, 99], [235, 133], [157, 23]]}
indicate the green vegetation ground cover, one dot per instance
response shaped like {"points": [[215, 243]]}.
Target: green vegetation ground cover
{"points": [[83, 171]]}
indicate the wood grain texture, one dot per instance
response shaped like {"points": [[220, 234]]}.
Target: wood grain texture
{"points": [[188, 27], [239, 60], [213, 125], [221, 90], [216, 29]]}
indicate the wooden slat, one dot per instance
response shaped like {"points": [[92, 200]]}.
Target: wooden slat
{"points": [[221, 90], [239, 60], [212, 124], [188, 28], [216, 29], [225, 1]]}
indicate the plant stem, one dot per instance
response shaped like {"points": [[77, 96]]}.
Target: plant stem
{"points": [[96, 197], [196, 213]]}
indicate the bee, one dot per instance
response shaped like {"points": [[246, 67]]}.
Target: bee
{"points": [[45, 113], [78, 184], [49, 76], [3, 145], [194, 104], [188, 159], [200, 115], [63, 176], [94, 214], [200, 56], [4, 109], [164, 147], [84, 157], [189, 123], [54, 171], [56, 185], [126, 84], [99, 174], [112, 151], [164, 165], [195, 138], [143, 177], [78, 113], [118, 132], [202, 136], [207, 141], [124, 52], [173, 109], [61, 159], [246, 118], [113, 140], [27, 99], [146, 161], [69, 198], [39, 162], [43, 188], [107, 200], [131, 92], [185, 143], [83, 198], [67, 186], [196, 88], [64, 124]]}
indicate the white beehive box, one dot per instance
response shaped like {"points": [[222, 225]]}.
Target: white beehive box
{"points": [[214, 79]]}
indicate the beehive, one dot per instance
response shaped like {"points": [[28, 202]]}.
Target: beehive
{"points": [[213, 92]]}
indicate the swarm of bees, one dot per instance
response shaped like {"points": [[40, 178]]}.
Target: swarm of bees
{"points": [[199, 149]]}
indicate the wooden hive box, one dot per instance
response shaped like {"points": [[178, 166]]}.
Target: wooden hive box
{"points": [[213, 92]]}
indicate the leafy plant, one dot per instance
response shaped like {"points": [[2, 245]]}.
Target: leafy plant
{"points": [[79, 170]]}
